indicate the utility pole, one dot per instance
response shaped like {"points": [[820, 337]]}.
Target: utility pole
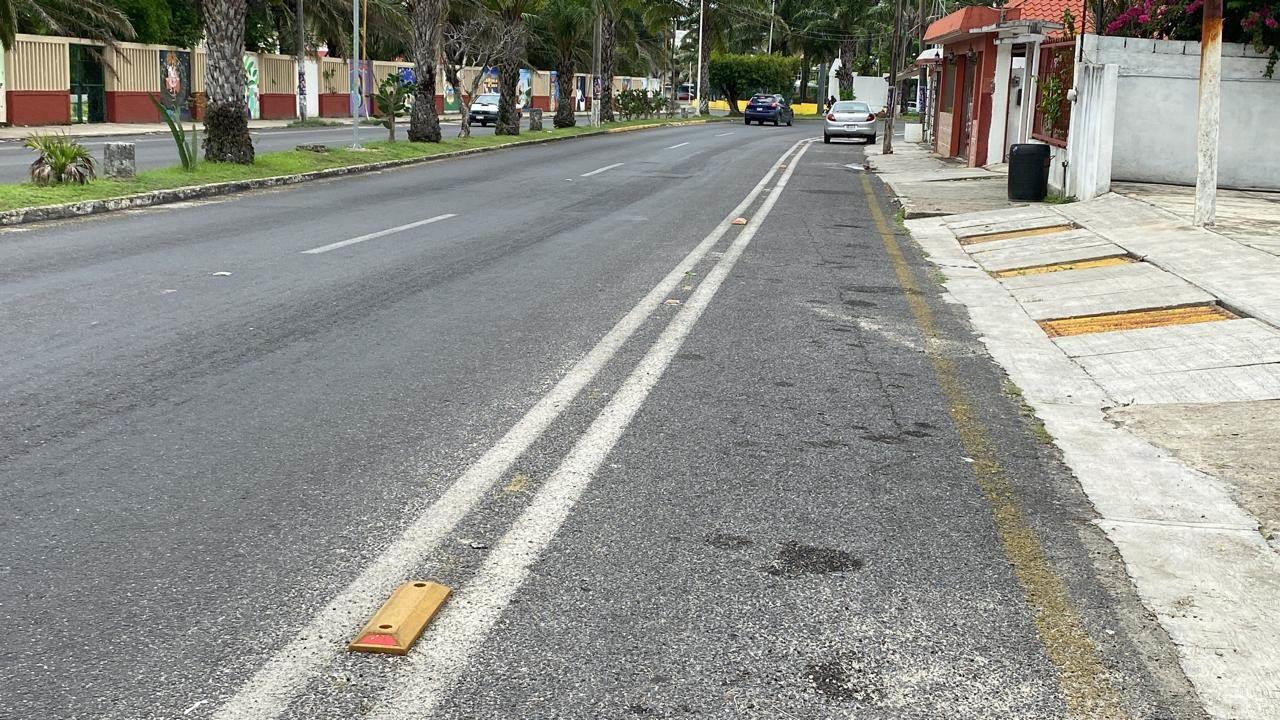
{"points": [[1207, 125], [356, 100], [702, 16], [302, 64], [922, 97], [773, 10], [596, 90], [887, 147]]}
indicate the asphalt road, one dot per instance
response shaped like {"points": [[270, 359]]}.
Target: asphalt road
{"points": [[156, 150], [671, 466]]}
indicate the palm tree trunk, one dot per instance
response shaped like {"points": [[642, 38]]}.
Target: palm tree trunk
{"points": [[226, 120], [608, 43], [565, 117], [508, 79], [426, 17], [804, 77], [845, 73]]}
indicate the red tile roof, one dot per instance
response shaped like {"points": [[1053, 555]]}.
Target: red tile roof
{"points": [[1052, 10], [960, 22]]}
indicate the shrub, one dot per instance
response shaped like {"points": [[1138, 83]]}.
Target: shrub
{"points": [[633, 104], [61, 160]]}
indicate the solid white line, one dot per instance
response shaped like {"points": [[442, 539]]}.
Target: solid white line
{"points": [[437, 663], [673, 147], [380, 233], [286, 672], [600, 170]]}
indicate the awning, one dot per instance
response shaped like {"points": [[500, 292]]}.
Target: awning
{"points": [[960, 23]]}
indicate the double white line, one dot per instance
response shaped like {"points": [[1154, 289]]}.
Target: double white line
{"points": [[465, 623]]}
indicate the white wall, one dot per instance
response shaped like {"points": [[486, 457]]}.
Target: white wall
{"points": [[870, 89], [1155, 112]]}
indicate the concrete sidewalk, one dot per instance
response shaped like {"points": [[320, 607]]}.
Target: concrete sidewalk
{"points": [[1169, 418]]}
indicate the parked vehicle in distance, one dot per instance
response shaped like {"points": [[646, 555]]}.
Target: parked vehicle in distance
{"points": [[850, 119], [773, 108], [484, 109]]}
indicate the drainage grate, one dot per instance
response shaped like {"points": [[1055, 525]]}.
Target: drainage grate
{"points": [[1135, 320], [1015, 234], [1060, 267]]}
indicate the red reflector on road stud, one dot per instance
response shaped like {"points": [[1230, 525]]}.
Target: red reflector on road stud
{"points": [[739, 221], [401, 619]]}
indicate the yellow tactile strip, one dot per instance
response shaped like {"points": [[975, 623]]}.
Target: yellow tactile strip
{"points": [[1135, 320], [1060, 267], [1015, 234]]}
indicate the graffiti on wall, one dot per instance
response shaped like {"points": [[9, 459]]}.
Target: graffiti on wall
{"points": [[175, 81], [251, 87]]}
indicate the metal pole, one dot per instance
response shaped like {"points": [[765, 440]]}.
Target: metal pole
{"points": [[302, 65], [596, 89], [773, 10], [355, 75], [1209, 115], [886, 148], [702, 16], [922, 99]]}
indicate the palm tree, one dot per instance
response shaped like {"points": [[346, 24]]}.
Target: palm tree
{"points": [[634, 30], [94, 19], [513, 14], [226, 123], [428, 17], [840, 21], [565, 27]]}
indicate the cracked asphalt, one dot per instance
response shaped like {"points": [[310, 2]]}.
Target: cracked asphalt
{"points": [[193, 465]]}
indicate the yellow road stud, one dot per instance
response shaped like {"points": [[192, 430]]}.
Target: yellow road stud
{"points": [[739, 221], [401, 619]]}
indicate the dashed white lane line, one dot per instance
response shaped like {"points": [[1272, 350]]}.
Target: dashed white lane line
{"points": [[673, 147], [724, 134], [438, 662], [285, 673], [378, 234], [597, 171]]}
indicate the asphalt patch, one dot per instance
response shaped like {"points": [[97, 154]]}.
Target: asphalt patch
{"points": [[795, 559], [834, 680], [725, 541]]}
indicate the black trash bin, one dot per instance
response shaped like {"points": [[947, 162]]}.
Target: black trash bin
{"points": [[1028, 171]]}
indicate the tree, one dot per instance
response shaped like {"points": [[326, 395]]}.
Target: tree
{"points": [[94, 19], [471, 36], [226, 123], [738, 75], [565, 28], [427, 17], [512, 14], [843, 21]]}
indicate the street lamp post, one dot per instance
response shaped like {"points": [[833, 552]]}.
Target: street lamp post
{"points": [[702, 16], [355, 74]]}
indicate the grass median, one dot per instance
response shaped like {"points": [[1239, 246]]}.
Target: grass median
{"points": [[282, 163]]}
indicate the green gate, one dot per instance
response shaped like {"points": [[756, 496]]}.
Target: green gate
{"points": [[88, 86]]}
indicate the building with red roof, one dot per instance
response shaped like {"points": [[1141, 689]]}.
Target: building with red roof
{"points": [[985, 80]]}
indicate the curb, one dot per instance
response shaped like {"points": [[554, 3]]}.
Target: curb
{"points": [[22, 216]]}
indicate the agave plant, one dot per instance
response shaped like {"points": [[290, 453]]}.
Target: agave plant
{"points": [[61, 160]]}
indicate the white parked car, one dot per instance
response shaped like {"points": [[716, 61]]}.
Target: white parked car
{"points": [[850, 119]]}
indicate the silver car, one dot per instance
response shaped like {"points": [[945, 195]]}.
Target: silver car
{"points": [[850, 119]]}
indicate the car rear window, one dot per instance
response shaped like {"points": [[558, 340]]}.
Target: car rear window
{"points": [[487, 99], [848, 106]]}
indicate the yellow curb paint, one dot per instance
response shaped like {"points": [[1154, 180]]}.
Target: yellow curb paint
{"points": [[401, 619], [1061, 267], [1135, 320], [1015, 234], [1084, 681]]}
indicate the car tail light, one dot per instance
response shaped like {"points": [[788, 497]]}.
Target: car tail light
{"points": [[871, 117], [831, 117], [773, 105]]}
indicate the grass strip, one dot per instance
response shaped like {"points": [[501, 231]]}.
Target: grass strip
{"points": [[280, 163]]}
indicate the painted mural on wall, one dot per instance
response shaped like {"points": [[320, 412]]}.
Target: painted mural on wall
{"points": [[251, 87], [490, 82], [524, 89], [580, 94], [555, 91], [175, 81], [409, 77]]}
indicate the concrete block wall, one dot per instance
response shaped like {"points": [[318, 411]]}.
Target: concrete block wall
{"points": [[1155, 101]]}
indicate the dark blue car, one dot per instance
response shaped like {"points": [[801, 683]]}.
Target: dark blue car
{"points": [[773, 108]]}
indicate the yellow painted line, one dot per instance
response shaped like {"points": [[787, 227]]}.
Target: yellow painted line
{"points": [[1135, 320], [1061, 267], [1085, 683], [1015, 234], [401, 619]]}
